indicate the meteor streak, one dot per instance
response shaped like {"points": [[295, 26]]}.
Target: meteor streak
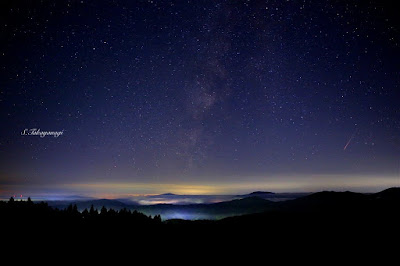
{"points": [[348, 142]]}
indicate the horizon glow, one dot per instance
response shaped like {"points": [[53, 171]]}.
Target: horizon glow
{"points": [[290, 185]]}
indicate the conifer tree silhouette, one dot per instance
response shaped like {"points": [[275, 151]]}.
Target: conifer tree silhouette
{"points": [[103, 211], [157, 218], [92, 211], [75, 209], [85, 213]]}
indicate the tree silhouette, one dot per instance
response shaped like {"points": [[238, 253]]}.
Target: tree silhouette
{"points": [[69, 209], [85, 213], [103, 211], [157, 218], [92, 211], [112, 212]]}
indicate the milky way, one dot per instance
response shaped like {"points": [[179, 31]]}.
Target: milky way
{"points": [[227, 94]]}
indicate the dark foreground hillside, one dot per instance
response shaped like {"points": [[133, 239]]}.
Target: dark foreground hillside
{"points": [[334, 219], [41, 215]]}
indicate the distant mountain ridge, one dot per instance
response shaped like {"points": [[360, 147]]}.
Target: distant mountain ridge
{"points": [[325, 201], [387, 194], [257, 193], [261, 192], [330, 205], [191, 211]]}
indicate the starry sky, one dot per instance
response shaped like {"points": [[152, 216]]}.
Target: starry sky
{"points": [[198, 97]]}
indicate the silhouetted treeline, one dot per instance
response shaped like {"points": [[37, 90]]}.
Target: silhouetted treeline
{"points": [[39, 214], [327, 212], [323, 221]]}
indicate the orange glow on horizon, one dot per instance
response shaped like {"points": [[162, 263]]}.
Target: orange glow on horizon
{"points": [[312, 183], [277, 184]]}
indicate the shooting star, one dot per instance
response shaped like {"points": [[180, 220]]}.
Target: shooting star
{"points": [[348, 142]]}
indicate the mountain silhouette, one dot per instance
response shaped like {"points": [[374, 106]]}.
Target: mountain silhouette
{"points": [[325, 202], [191, 211], [336, 218], [388, 194], [245, 203], [256, 193], [329, 208], [261, 194], [326, 220]]}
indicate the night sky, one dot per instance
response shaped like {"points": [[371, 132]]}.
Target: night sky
{"points": [[198, 97]]}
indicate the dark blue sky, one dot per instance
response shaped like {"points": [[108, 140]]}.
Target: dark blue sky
{"points": [[218, 96]]}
